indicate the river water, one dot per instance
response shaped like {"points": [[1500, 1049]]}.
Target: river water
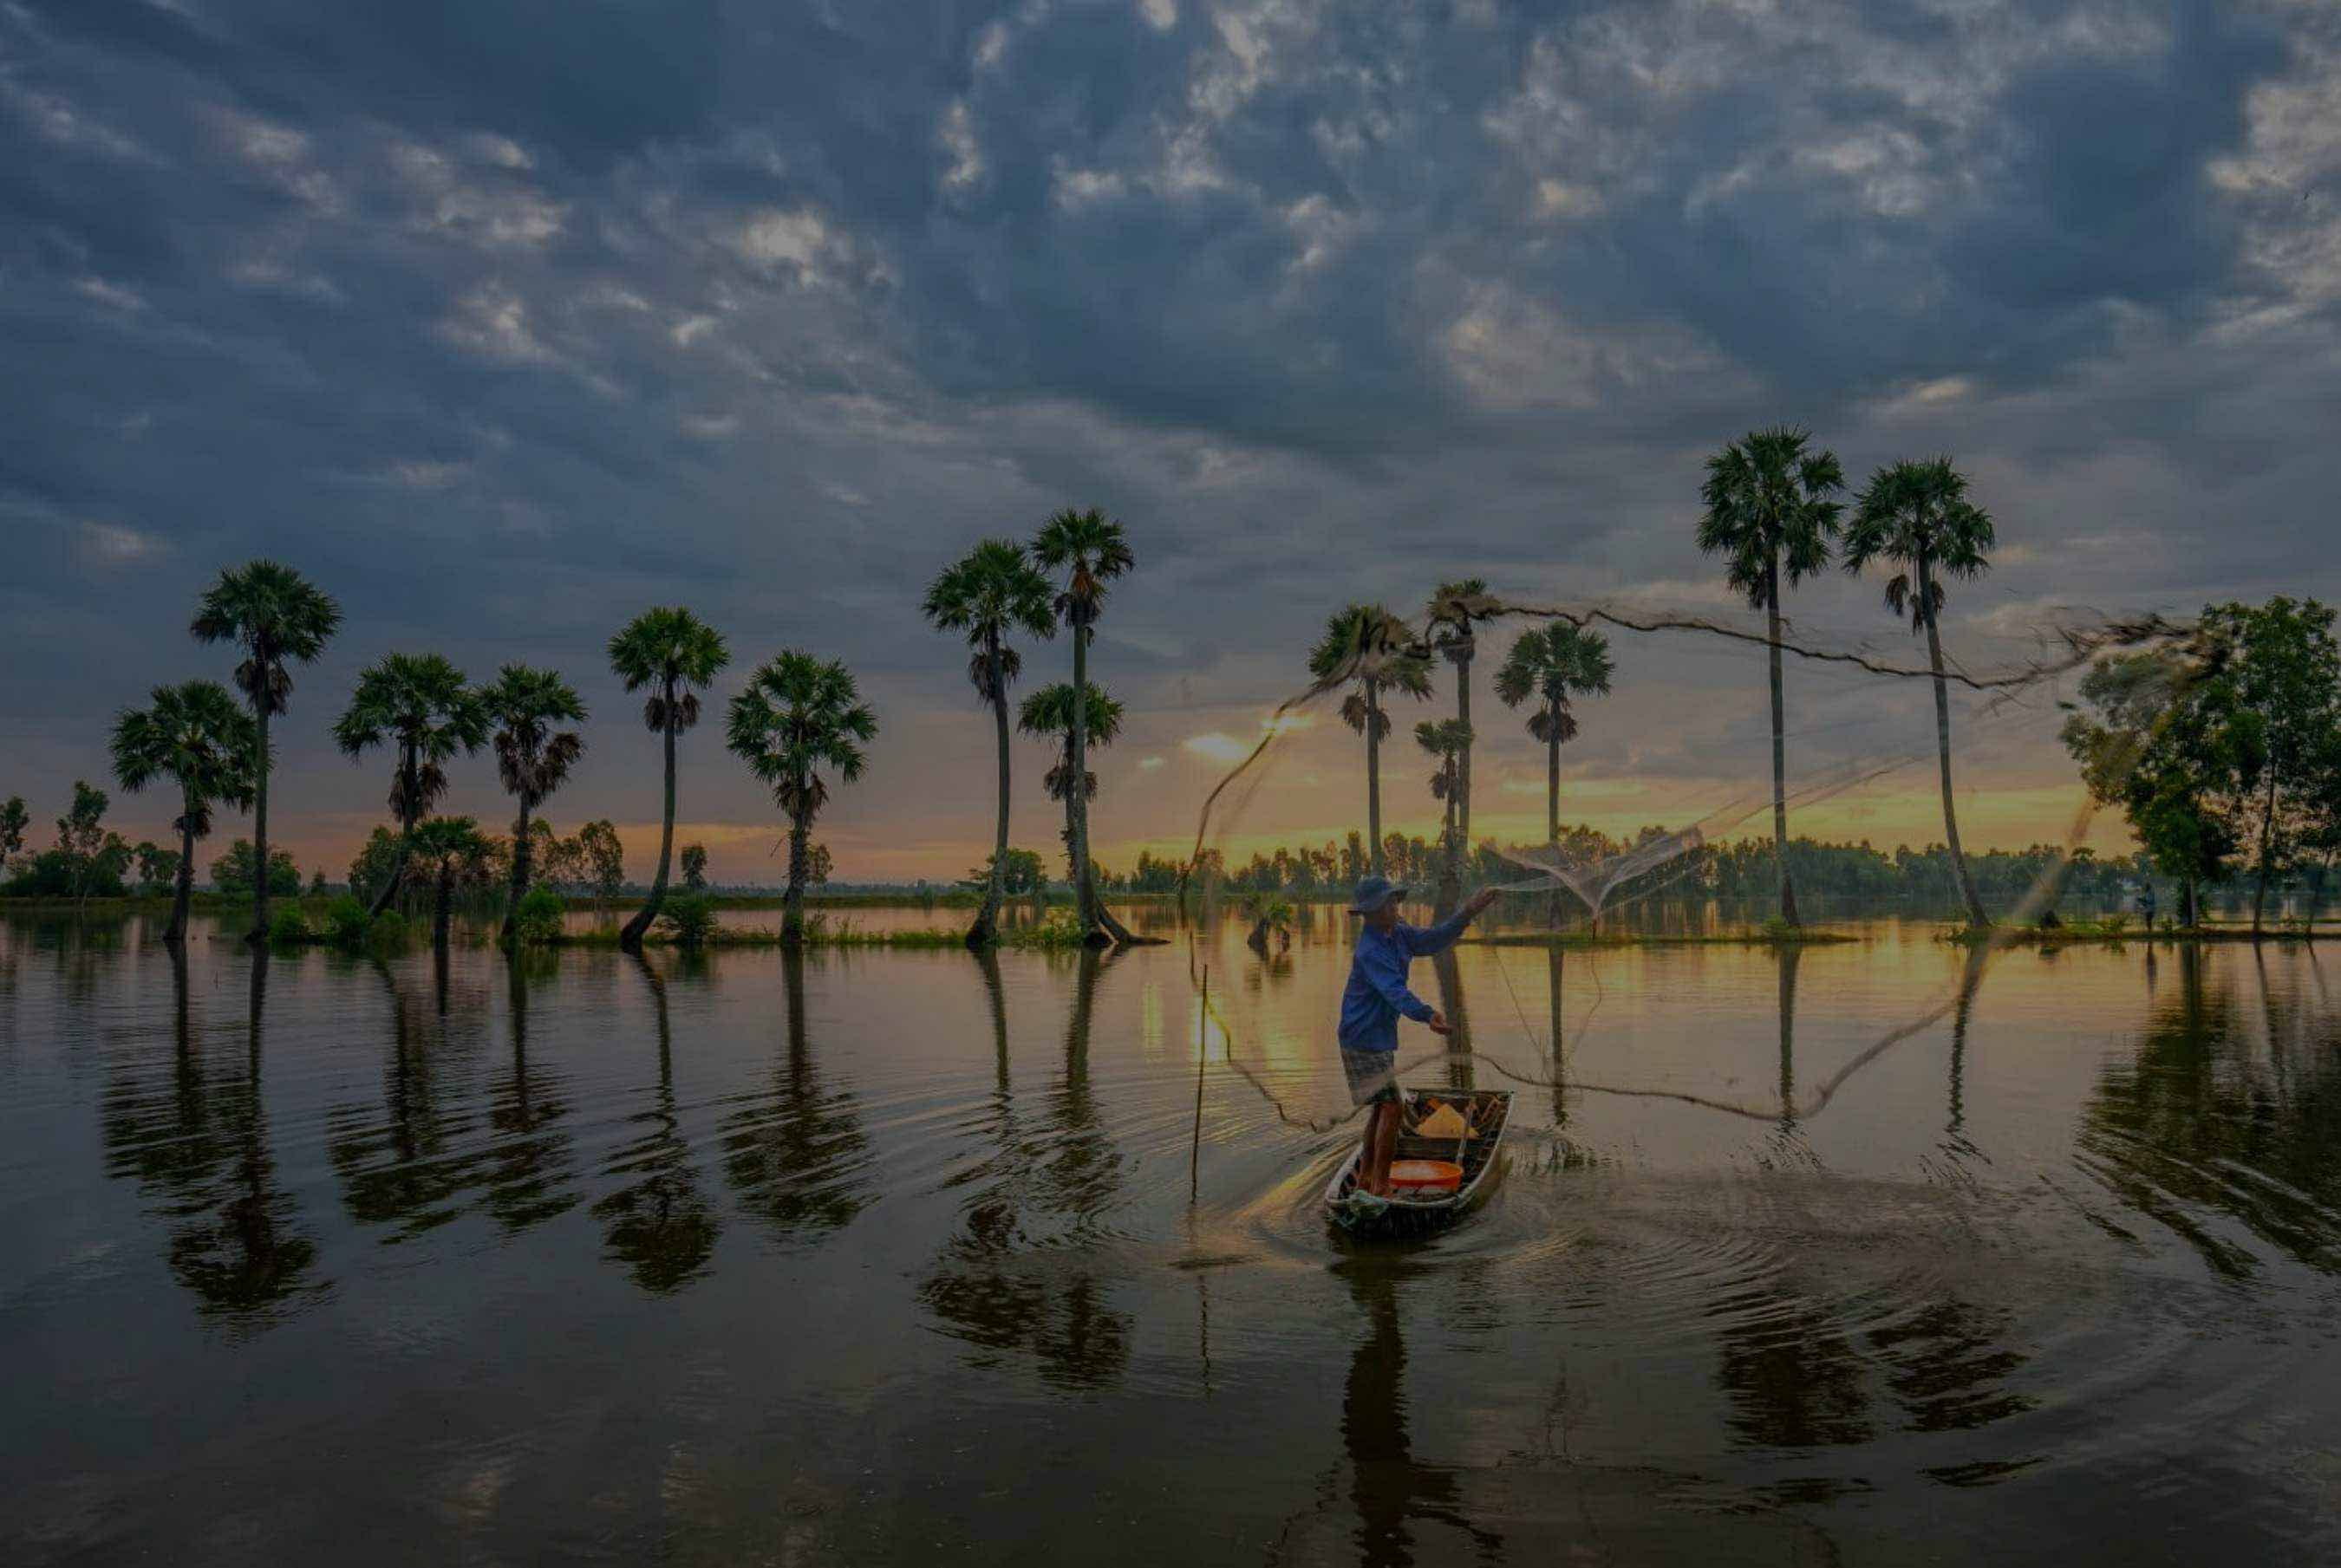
{"points": [[880, 1257]]}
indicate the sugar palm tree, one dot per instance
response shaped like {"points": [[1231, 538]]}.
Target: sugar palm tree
{"points": [[1456, 612], [1918, 515], [279, 619], [533, 758], [797, 716], [1448, 740], [988, 593], [1770, 511], [1368, 649], [197, 736], [451, 847], [1049, 713], [1553, 664], [1090, 550], [417, 704], [673, 653]]}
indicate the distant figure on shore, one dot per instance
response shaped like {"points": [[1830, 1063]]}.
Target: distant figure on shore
{"points": [[1373, 1002]]}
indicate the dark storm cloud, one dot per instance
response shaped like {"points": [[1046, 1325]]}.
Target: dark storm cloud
{"points": [[508, 318]]}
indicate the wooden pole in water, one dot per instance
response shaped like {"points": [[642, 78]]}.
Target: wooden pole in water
{"points": [[1202, 1036]]}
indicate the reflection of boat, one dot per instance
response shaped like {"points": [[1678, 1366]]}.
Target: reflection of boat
{"points": [[1488, 1110]]}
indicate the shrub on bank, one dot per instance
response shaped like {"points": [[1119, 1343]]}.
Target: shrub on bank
{"points": [[538, 918], [346, 921], [689, 919], [288, 924]]}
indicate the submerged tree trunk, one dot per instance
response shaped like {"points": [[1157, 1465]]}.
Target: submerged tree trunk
{"points": [[1976, 917], [408, 785], [260, 830], [631, 938], [183, 884], [519, 869], [1779, 743], [1375, 861], [443, 894], [800, 835], [1552, 800], [986, 930], [2267, 847]]}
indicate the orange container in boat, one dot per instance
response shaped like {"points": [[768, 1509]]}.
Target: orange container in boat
{"points": [[1424, 1176]]}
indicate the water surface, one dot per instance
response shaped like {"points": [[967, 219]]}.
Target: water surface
{"points": [[891, 1257]]}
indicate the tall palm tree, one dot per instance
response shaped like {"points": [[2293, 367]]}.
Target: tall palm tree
{"points": [[1456, 612], [1367, 648], [453, 848], [672, 651], [533, 758], [418, 704], [988, 593], [1918, 514], [798, 715], [279, 619], [196, 736], [1049, 713], [1553, 664], [1769, 509], [1448, 740], [1090, 550]]}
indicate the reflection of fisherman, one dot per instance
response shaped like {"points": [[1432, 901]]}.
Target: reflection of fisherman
{"points": [[1371, 1006]]}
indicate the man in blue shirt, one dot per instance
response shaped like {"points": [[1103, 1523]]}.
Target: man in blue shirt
{"points": [[1376, 998]]}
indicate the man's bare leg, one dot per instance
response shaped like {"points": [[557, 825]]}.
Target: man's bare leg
{"points": [[1381, 1147]]}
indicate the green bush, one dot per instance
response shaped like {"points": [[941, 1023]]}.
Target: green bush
{"points": [[387, 931], [539, 916], [689, 919], [288, 924], [346, 921], [2113, 925]]}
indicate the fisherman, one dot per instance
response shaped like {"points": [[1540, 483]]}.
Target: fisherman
{"points": [[1373, 1003]]}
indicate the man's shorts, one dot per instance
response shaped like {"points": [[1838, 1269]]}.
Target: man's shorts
{"points": [[1372, 1074]]}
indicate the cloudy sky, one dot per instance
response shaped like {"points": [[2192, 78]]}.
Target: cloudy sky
{"points": [[504, 320]]}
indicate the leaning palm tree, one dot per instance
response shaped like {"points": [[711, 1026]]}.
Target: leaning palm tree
{"points": [[1091, 550], [1368, 648], [1553, 664], [1049, 713], [279, 619], [1918, 514], [1454, 612], [797, 716], [1769, 510], [988, 593], [672, 651], [533, 758], [416, 703], [196, 736]]}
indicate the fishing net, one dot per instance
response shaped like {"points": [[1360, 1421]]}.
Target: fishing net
{"points": [[1595, 880]]}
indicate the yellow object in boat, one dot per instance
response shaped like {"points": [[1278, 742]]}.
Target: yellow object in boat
{"points": [[1446, 1122]]}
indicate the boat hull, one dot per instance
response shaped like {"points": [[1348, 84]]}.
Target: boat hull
{"points": [[1489, 1111]]}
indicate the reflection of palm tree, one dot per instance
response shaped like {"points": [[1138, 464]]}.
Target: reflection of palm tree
{"points": [[528, 1178], [1793, 1379], [1388, 1488], [659, 1225], [1971, 981], [234, 1240], [1458, 1018], [796, 1157], [1790, 956], [1554, 976], [992, 1288]]}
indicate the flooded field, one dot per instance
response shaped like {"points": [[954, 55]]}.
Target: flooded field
{"points": [[878, 1256]]}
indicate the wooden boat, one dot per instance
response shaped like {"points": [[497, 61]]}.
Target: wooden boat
{"points": [[1410, 1213]]}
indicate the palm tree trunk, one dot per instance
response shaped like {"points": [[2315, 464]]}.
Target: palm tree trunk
{"points": [[183, 884], [1779, 742], [631, 938], [1077, 810], [1375, 861], [800, 833], [1463, 716], [519, 872], [260, 832], [1976, 917], [405, 833], [2268, 844], [985, 931], [1552, 802], [442, 895]]}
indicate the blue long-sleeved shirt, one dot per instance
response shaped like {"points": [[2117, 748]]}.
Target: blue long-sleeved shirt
{"points": [[1377, 995]]}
